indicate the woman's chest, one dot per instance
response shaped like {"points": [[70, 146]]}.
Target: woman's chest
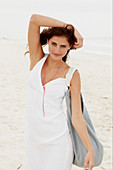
{"points": [[53, 89]]}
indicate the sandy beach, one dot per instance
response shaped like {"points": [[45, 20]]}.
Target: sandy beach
{"points": [[96, 86]]}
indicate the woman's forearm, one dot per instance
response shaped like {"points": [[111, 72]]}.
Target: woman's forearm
{"points": [[45, 21], [81, 129]]}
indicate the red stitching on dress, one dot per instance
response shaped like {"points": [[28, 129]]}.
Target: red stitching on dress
{"points": [[44, 88], [43, 101]]}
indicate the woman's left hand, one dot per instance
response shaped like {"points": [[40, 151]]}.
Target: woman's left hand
{"points": [[79, 39], [89, 159]]}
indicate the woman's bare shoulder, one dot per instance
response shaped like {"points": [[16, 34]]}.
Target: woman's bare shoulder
{"points": [[76, 80]]}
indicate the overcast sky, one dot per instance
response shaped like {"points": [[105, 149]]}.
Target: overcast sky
{"points": [[91, 17]]}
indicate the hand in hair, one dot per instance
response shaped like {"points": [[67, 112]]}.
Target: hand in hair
{"points": [[78, 37]]}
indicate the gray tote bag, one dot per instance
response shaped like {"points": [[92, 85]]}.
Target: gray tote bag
{"points": [[79, 149]]}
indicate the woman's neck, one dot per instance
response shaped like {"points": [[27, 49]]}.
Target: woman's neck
{"points": [[51, 63]]}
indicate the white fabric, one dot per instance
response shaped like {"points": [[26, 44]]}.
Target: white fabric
{"points": [[47, 139], [69, 76]]}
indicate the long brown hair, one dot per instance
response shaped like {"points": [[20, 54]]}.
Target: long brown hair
{"points": [[48, 33]]}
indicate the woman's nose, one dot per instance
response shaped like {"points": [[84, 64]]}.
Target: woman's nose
{"points": [[58, 50]]}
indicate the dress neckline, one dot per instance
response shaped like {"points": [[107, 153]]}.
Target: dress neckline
{"points": [[51, 81]]}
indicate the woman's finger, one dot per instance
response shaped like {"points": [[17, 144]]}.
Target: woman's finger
{"points": [[75, 46], [90, 166], [78, 45], [78, 41], [81, 43], [85, 164]]}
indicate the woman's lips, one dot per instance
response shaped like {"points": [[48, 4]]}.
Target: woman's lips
{"points": [[56, 54]]}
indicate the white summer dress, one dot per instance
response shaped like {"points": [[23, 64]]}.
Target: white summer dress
{"points": [[48, 143]]}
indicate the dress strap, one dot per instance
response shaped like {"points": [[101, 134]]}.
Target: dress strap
{"points": [[69, 75]]}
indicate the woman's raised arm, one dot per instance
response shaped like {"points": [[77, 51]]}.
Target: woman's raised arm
{"points": [[44, 21], [35, 47]]}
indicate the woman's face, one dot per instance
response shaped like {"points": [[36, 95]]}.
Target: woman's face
{"points": [[58, 46]]}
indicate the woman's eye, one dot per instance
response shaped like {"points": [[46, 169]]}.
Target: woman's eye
{"points": [[53, 43], [63, 46]]}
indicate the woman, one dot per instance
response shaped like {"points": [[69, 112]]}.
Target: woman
{"points": [[47, 138]]}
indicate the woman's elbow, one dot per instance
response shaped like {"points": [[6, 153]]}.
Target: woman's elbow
{"points": [[76, 120], [33, 17]]}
